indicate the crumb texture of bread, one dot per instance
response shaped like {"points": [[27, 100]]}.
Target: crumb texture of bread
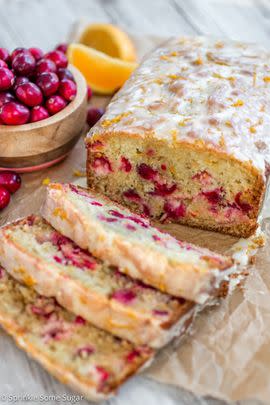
{"points": [[91, 361], [35, 253], [186, 139], [128, 241]]}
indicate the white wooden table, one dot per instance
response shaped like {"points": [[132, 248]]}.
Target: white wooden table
{"points": [[46, 22]]}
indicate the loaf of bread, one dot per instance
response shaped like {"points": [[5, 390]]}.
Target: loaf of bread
{"points": [[187, 138], [34, 253], [91, 361], [128, 241]]}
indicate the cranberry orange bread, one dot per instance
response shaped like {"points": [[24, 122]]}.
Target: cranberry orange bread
{"points": [[128, 241], [33, 252], [187, 138], [78, 354]]}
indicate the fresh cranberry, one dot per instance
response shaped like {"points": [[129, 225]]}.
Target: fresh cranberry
{"points": [[5, 97], [138, 221], [38, 113], [125, 165], [89, 93], [79, 320], [146, 210], [64, 73], [58, 57], [16, 52], [146, 172], [6, 79], [245, 207], [20, 80], [62, 48], [85, 351], [48, 83], [29, 94], [125, 296], [132, 195], [134, 354], [45, 65], [130, 227], [213, 196], [106, 219], [116, 214], [10, 180], [24, 63], [102, 166], [3, 64], [163, 190], [13, 113], [4, 197], [93, 115], [67, 89], [37, 53], [54, 104], [103, 375], [4, 54], [160, 312], [175, 209]]}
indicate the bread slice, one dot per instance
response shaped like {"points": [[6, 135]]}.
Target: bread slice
{"points": [[127, 240], [186, 140], [91, 361], [33, 252]]}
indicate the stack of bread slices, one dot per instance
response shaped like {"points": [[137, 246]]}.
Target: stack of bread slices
{"points": [[92, 290]]}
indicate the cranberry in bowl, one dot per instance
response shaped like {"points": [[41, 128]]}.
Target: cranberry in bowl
{"points": [[42, 111]]}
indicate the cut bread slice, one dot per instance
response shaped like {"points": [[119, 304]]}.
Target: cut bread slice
{"points": [[116, 235], [33, 252], [91, 361]]}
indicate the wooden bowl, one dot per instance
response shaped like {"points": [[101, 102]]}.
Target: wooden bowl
{"points": [[38, 145]]}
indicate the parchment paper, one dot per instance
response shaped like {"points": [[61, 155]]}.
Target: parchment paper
{"points": [[228, 353]]}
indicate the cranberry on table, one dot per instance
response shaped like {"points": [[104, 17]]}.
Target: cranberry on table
{"points": [[89, 93], [5, 97], [62, 48], [37, 53], [10, 180], [6, 79], [93, 115], [3, 64], [45, 65], [13, 113], [20, 80], [29, 94], [48, 83], [67, 89], [55, 103], [24, 63], [4, 197], [38, 113], [4, 54], [64, 73], [16, 52], [58, 57]]}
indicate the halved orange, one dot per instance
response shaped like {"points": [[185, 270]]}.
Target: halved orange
{"points": [[103, 73], [109, 39]]}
